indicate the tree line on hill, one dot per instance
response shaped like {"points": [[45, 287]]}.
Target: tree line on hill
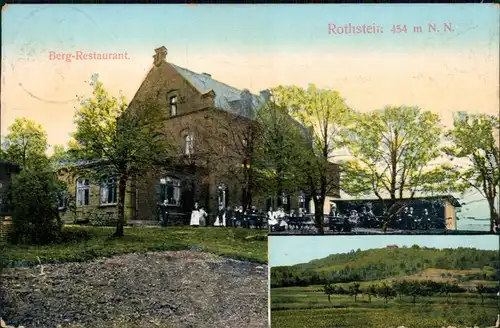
{"points": [[378, 264], [409, 288]]}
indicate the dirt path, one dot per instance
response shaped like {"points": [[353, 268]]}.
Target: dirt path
{"points": [[167, 289]]}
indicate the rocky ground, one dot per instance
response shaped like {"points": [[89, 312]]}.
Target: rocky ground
{"points": [[185, 289]]}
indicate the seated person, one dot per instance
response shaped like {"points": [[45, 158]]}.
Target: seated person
{"points": [[271, 219]]}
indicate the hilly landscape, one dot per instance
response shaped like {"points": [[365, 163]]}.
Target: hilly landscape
{"points": [[388, 287], [384, 263]]}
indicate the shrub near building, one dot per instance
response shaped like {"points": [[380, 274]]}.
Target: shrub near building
{"points": [[34, 198]]}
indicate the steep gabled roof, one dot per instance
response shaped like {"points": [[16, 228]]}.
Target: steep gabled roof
{"points": [[227, 97]]}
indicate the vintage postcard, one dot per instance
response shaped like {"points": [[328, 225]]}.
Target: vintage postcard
{"points": [[148, 151]]}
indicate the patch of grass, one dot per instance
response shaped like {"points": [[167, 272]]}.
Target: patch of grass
{"points": [[416, 317], [294, 307], [86, 243]]}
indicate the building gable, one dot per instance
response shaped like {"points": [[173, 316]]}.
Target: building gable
{"points": [[194, 91]]}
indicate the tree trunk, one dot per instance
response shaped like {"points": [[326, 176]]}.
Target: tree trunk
{"points": [[369, 298], [329, 300], [120, 222], [318, 214], [493, 214]]}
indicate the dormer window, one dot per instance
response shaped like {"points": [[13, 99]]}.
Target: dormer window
{"points": [[173, 105]]}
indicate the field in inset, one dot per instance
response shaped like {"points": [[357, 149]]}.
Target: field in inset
{"points": [[382, 288]]}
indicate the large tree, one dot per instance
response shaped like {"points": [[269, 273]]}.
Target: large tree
{"points": [[122, 141], [25, 143], [279, 150], [324, 113], [475, 139], [228, 148], [394, 154]]}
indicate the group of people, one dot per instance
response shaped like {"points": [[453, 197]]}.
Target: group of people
{"points": [[279, 220], [228, 217], [406, 219]]}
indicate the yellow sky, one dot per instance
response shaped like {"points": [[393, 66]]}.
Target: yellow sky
{"points": [[45, 91]]}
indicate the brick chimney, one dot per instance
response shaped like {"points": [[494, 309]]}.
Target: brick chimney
{"points": [[246, 102], [160, 56], [265, 95]]}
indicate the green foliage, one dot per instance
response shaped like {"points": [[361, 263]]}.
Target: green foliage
{"points": [[392, 150], [121, 141], [25, 143], [60, 153], [476, 138], [34, 197], [329, 290], [385, 291], [279, 150], [86, 243], [382, 263], [354, 290], [371, 291], [421, 303], [324, 113]]}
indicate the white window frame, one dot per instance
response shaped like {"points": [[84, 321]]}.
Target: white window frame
{"points": [[107, 186], [172, 101], [176, 193], [189, 143], [82, 188]]}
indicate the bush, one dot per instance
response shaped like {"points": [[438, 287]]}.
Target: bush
{"points": [[34, 198]]}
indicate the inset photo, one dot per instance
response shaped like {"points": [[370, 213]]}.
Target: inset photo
{"points": [[374, 281]]}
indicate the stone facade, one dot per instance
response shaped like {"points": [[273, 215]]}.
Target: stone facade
{"points": [[91, 207], [203, 117]]}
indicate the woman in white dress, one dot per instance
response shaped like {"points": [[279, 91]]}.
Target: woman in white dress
{"points": [[281, 216], [203, 216], [195, 216], [271, 218]]}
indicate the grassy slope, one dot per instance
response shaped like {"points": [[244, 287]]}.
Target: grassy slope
{"points": [[242, 244]]}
